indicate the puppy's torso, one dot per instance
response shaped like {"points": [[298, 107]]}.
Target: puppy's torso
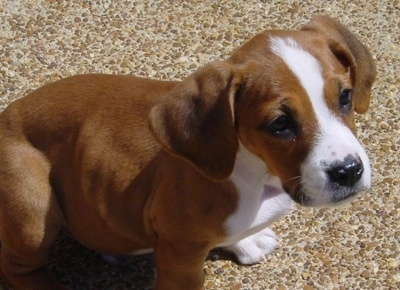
{"points": [[113, 183]]}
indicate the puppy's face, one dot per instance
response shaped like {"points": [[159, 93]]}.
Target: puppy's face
{"points": [[289, 97], [295, 111]]}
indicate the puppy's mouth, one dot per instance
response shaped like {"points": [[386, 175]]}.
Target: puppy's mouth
{"points": [[301, 198], [323, 198], [341, 197]]}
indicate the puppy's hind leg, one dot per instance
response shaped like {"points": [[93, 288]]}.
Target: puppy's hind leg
{"points": [[29, 218]]}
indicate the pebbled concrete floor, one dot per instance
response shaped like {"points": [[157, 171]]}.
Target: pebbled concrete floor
{"points": [[353, 247]]}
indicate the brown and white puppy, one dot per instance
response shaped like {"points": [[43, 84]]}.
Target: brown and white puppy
{"points": [[129, 165]]}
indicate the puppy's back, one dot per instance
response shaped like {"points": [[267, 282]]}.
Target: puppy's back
{"points": [[56, 112]]}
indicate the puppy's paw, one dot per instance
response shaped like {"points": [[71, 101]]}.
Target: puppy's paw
{"points": [[110, 259], [255, 248]]}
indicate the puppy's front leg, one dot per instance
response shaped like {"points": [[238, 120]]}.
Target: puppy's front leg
{"points": [[180, 265]]}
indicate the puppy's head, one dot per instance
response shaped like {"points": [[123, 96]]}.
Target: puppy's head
{"points": [[289, 97]]}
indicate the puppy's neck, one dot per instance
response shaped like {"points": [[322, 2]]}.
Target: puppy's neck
{"points": [[261, 199], [250, 174]]}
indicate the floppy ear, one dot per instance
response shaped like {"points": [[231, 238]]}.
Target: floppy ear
{"points": [[352, 53], [195, 120]]}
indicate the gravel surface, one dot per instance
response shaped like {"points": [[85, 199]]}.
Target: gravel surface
{"points": [[353, 247]]}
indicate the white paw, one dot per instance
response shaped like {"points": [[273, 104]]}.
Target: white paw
{"points": [[110, 259], [255, 248]]}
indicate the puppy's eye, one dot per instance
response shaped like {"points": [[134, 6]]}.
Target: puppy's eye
{"points": [[345, 100], [282, 126]]}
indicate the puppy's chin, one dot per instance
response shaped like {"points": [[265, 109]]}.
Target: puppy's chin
{"points": [[324, 199]]}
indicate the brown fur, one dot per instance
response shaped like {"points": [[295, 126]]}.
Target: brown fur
{"points": [[125, 163]]}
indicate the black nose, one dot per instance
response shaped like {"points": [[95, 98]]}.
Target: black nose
{"points": [[346, 172]]}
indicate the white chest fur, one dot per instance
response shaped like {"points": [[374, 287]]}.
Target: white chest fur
{"points": [[261, 198]]}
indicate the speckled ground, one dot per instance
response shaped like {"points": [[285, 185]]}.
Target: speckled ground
{"points": [[355, 247]]}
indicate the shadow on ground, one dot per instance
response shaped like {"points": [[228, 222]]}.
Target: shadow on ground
{"points": [[84, 269]]}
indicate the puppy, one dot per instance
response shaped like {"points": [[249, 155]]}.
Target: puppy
{"points": [[128, 165]]}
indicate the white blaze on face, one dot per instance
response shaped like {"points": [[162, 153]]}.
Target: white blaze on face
{"points": [[334, 140], [303, 65]]}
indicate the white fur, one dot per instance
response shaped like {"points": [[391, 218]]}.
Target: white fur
{"points": [[256, 247], [261, 202], [335, 141], [142, 252], [304, 66]]}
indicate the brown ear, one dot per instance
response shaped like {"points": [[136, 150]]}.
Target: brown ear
{"points": [[350, 51], [195, 121]]}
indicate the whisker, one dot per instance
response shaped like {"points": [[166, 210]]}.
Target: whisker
{"points": [[294, 191], [319, 197], [293, 178], [297, 180]]}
